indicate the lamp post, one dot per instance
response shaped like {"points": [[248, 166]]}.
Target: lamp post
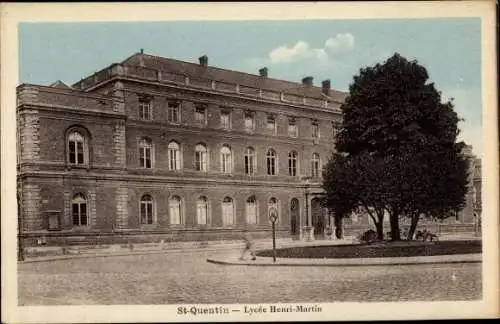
{"points": [[306, 192], [273, 217]]}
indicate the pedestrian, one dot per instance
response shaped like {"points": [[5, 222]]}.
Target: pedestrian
{"points": [[249, 248]]}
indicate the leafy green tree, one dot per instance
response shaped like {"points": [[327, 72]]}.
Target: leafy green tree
{"points": [[394, 120]]}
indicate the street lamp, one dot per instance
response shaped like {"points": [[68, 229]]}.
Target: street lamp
{"points": [[306, 192], [273, 217]]}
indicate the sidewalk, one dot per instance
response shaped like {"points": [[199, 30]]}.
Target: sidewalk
{"points": [[233, 259], [49, 253]]}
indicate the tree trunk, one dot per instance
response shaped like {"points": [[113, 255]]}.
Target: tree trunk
{"points": [[338, 227], [380, 230], [413, 226], [394, 219]]}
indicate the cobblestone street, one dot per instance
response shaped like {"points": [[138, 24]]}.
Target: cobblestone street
{"points": [[173, 278]]}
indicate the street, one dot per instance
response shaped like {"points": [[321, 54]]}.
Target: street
{"points": [[186, 277]]}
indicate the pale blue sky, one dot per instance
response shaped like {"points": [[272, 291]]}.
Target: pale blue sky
{"points": [[334, 49]]}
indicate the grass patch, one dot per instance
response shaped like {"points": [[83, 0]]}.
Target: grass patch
{"points": [[378, 250]]}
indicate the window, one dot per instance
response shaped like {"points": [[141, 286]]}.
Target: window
{"points": [[202, 211], [145, 155], [315, 165], [249, 161], [225, 120], [174, 112], [227, 211], [271, 162], [226, 159], [79, 210], [271, 124], [77, 149], [315, 129], [145, 109], [292, 127], [201, 158], [174, 204], [174, 156], [335, 130], [273, 203], [251, 210], [146, 210], [292, 163], [200, 115], [249, 121]]}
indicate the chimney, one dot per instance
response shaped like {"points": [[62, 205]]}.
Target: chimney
{"points": [[308, 81], [263, 72], [203, 60], [326, 85]]}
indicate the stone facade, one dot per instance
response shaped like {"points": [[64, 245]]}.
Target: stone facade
{"points": [[109, 188]]}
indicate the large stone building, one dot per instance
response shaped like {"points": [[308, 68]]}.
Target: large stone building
{"points": [[183, 151], [153, 148]]}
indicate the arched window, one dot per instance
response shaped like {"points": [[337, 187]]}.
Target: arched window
{"points": [[226, 159], [174, 156], [77, 149], [273, 203], [145, 153], [201, 158], [315, 165], [292, 163], [227, 211], [249, 161], [146, 210], [271, 162], [202, 210], [79, 210], [174, 204], [251, 210]]}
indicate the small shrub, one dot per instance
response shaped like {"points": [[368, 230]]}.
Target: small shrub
{"points": [[368, 236]]}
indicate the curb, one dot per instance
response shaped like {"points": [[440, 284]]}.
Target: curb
{"points": [[292, 262]]}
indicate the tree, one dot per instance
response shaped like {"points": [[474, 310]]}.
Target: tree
{"points": [[394, 120]]}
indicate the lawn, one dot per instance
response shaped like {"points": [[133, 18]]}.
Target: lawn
{"points": [[378, 250]]}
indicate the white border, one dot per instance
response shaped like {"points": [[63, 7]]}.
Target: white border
{"points": [[12, 14]]}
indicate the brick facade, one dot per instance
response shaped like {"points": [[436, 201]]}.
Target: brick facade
{"points": [[105, 110]]}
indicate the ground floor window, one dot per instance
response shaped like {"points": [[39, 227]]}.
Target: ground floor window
{"points": [[228, 211], [175, 210], [79, 210], [146, 210], [202, 211], [251, 210]]}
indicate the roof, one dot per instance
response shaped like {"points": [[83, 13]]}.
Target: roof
{"points": [[60, 84], [222, 75]]}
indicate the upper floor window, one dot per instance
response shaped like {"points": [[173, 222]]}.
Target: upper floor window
{"points": [[200, 115], [146, 210], [145, 153], [174, 112], [79, 210], [271, 124], [249, 121], [335, 130], [292, 163], [315, 129], [201, 158], [77, 149], [174, 156], [315, 165], [226, 159], [145, 109], [292, 127], [271, 162], [225, 120], [249, 161]]}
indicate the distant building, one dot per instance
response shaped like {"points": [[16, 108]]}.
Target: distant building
{"points": [[158, 148]]}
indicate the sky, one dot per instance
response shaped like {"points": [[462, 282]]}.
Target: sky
{"points": [[449, 48]]}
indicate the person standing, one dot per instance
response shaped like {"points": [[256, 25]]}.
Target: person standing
{"points": [[249, 247]]}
